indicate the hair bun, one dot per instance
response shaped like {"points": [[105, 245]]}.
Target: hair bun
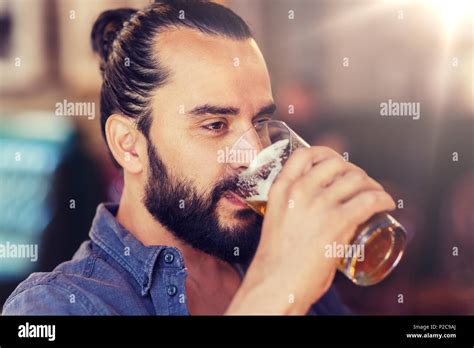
{"points": [[105, 29]]}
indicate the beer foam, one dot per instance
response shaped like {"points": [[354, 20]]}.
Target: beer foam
{"points": [[256, 186]]}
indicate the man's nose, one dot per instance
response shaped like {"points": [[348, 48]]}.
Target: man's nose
{"points": [[244, 150]]}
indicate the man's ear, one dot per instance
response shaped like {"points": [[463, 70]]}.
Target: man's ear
{"points": [[123, 139]]}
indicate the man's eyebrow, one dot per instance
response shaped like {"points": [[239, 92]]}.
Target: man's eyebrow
{"points": [[208, 109], [266, 110], [214, 110]]}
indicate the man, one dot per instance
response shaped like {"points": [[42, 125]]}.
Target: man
{"points": [[183, 80]]}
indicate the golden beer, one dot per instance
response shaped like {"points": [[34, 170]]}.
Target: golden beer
{"points": [[257, 206], [383, 240]]}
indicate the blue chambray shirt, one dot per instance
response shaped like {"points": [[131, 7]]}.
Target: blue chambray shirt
{"points": [[115, 274]]}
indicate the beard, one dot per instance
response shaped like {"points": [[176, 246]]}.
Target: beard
{"points": [[192, 217]]}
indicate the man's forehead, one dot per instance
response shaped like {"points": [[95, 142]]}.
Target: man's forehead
{"points": [[179, 48], [212, 69]]}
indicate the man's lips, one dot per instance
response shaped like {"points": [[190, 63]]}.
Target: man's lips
{"points": [[232, 197]]}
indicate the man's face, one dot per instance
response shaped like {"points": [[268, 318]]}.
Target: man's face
{"points": [[218, 89]]}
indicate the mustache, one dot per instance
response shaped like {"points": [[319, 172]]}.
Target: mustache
{"points": [[226, 184]]}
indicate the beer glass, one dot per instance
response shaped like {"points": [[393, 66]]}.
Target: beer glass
{"points": [[381, 239]]}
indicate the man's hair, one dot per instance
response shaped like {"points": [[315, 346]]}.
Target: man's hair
{"points": [[125, 39]]}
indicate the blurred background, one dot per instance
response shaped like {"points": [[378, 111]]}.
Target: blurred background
{"points": [[332, 64]]}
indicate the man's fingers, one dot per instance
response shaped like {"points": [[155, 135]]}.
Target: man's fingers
{"points": [[365, 204], [349, 185], [328, 170], [302, 160]]}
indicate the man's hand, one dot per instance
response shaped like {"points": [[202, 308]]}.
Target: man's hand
{"points": [[317, 199]]}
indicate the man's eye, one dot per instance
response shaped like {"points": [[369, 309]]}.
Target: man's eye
{"points": [[260, 123], [215, 126]]}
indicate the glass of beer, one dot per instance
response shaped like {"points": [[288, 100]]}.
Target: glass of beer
{"points": [[378, 244]]}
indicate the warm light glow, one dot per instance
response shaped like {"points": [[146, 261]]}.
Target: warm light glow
{"points": [[452, 11]]}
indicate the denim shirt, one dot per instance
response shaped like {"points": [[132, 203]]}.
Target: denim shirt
{"points": [[115, 274]]}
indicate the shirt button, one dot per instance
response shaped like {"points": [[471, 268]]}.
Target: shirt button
{"points": [[169, 257], [172, 290]]}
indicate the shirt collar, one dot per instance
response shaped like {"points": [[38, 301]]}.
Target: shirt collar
{"points": [[139, 260]]}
